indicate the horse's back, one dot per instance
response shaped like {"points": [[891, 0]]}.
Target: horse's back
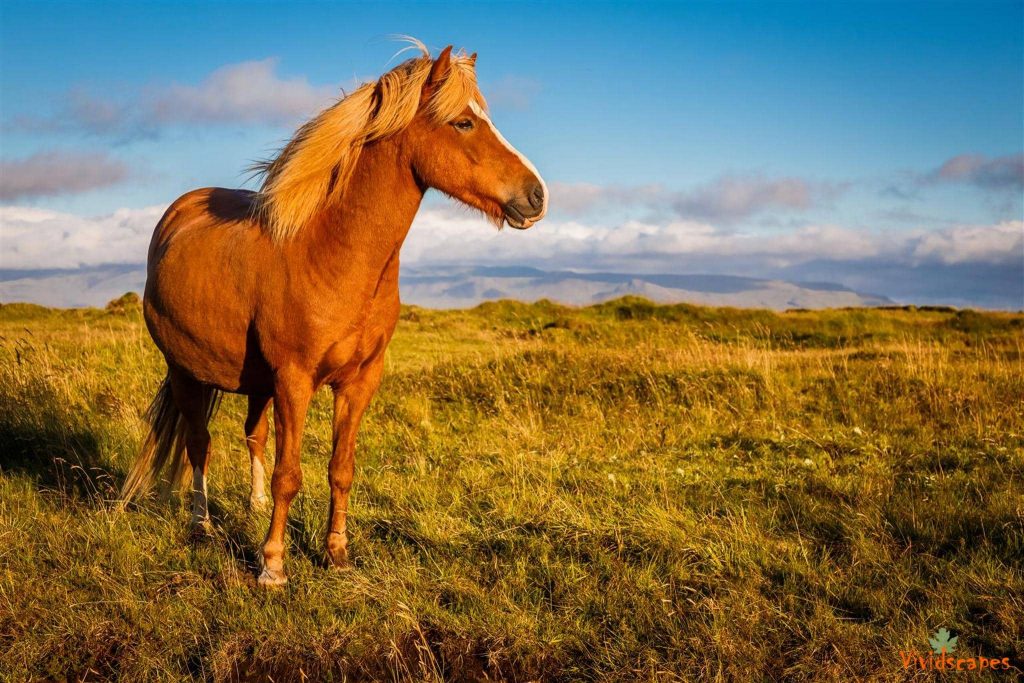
{"points": [[206, 209]]}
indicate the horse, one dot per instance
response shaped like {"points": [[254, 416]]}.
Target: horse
{"points": [[278, 292]]}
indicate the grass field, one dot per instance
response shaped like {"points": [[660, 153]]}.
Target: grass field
{"points": [[621, 492]]}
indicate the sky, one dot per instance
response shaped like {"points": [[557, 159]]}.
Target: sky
{"points": [[879, 145]]}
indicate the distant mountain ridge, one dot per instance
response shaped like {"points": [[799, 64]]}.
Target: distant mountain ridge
{"points": [[462, 287], [93, 286]]}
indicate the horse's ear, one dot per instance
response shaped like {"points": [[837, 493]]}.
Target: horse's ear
{"points": [[472, 59], [441, 66]]}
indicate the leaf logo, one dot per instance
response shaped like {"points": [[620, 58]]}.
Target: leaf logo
{"points": [[942, 642]]}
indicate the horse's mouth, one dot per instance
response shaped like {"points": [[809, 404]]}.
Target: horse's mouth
{"points": [[515, 218], [518, 225]]}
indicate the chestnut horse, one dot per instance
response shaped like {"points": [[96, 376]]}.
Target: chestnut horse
{"points": [[275, 293]]}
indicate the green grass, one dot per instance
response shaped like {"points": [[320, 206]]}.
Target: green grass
{"points": [[621, 492]]}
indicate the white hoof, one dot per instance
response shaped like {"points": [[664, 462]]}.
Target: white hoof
{"points": [[258, 503], [271, 579]]}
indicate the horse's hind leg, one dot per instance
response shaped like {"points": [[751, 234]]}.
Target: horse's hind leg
{"points": [[256, 429], [194, 400]]}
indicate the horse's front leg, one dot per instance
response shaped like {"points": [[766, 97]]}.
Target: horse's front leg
{"points": [[292, 392], [350, 402]]}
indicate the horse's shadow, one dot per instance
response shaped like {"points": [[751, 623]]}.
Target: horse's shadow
{"points": [[64, 458], [237, 528], [61, 456]]}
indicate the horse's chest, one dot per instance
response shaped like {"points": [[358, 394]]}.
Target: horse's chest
{"points": [[366, 344]]}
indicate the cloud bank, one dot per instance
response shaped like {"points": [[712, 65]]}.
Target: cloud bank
{"points": [[251, 92], [1001, 177], [57, 172], [733, 197], [440, 236], [40, 239], [999, 173], [37, 238], [960, 265], [727, 199]]}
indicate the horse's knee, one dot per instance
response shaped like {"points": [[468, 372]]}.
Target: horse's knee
{"points": [[340, 482], [285, 483]]}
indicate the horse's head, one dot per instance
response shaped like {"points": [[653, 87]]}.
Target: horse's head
{"points": [[460, 152], [433, 110]]}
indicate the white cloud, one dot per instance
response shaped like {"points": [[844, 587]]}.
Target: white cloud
{"points": [[1000, 176], [732, 197], [1000, 243], [577, 199], [57, 172], [247, 93], [35, 238], [728, 198], [441, 235], [40, 239], [1005, 172], [250, 92]]}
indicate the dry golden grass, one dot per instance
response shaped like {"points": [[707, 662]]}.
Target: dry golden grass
{"points": [[622, 492]]}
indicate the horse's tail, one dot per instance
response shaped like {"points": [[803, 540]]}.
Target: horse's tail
{"points": [[164, 445]]}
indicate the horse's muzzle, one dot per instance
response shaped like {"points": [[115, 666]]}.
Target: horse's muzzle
{"points": [[522, 212]]}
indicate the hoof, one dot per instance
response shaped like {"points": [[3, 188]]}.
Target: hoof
{"points": [[258, 504], [271, 579], [201, 529], [337, 551], [336, 566]]}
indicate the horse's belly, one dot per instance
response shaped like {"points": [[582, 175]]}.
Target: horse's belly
{"points": [[197, 311]]}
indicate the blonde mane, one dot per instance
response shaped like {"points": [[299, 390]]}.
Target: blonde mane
{"points": [[315, 166]]}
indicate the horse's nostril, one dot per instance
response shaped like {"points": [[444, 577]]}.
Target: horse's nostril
{"points": [[537, 196]]}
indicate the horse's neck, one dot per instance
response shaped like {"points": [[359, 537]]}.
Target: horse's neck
{"points": [[357, 236]]}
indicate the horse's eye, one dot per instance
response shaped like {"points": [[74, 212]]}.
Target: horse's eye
{"points": [[463, 124]]}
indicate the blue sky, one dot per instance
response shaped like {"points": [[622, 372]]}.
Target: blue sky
{"points": [[901, 123]]}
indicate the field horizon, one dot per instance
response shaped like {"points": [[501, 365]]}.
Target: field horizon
{"points": [[623, 491], [456, 287]]}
